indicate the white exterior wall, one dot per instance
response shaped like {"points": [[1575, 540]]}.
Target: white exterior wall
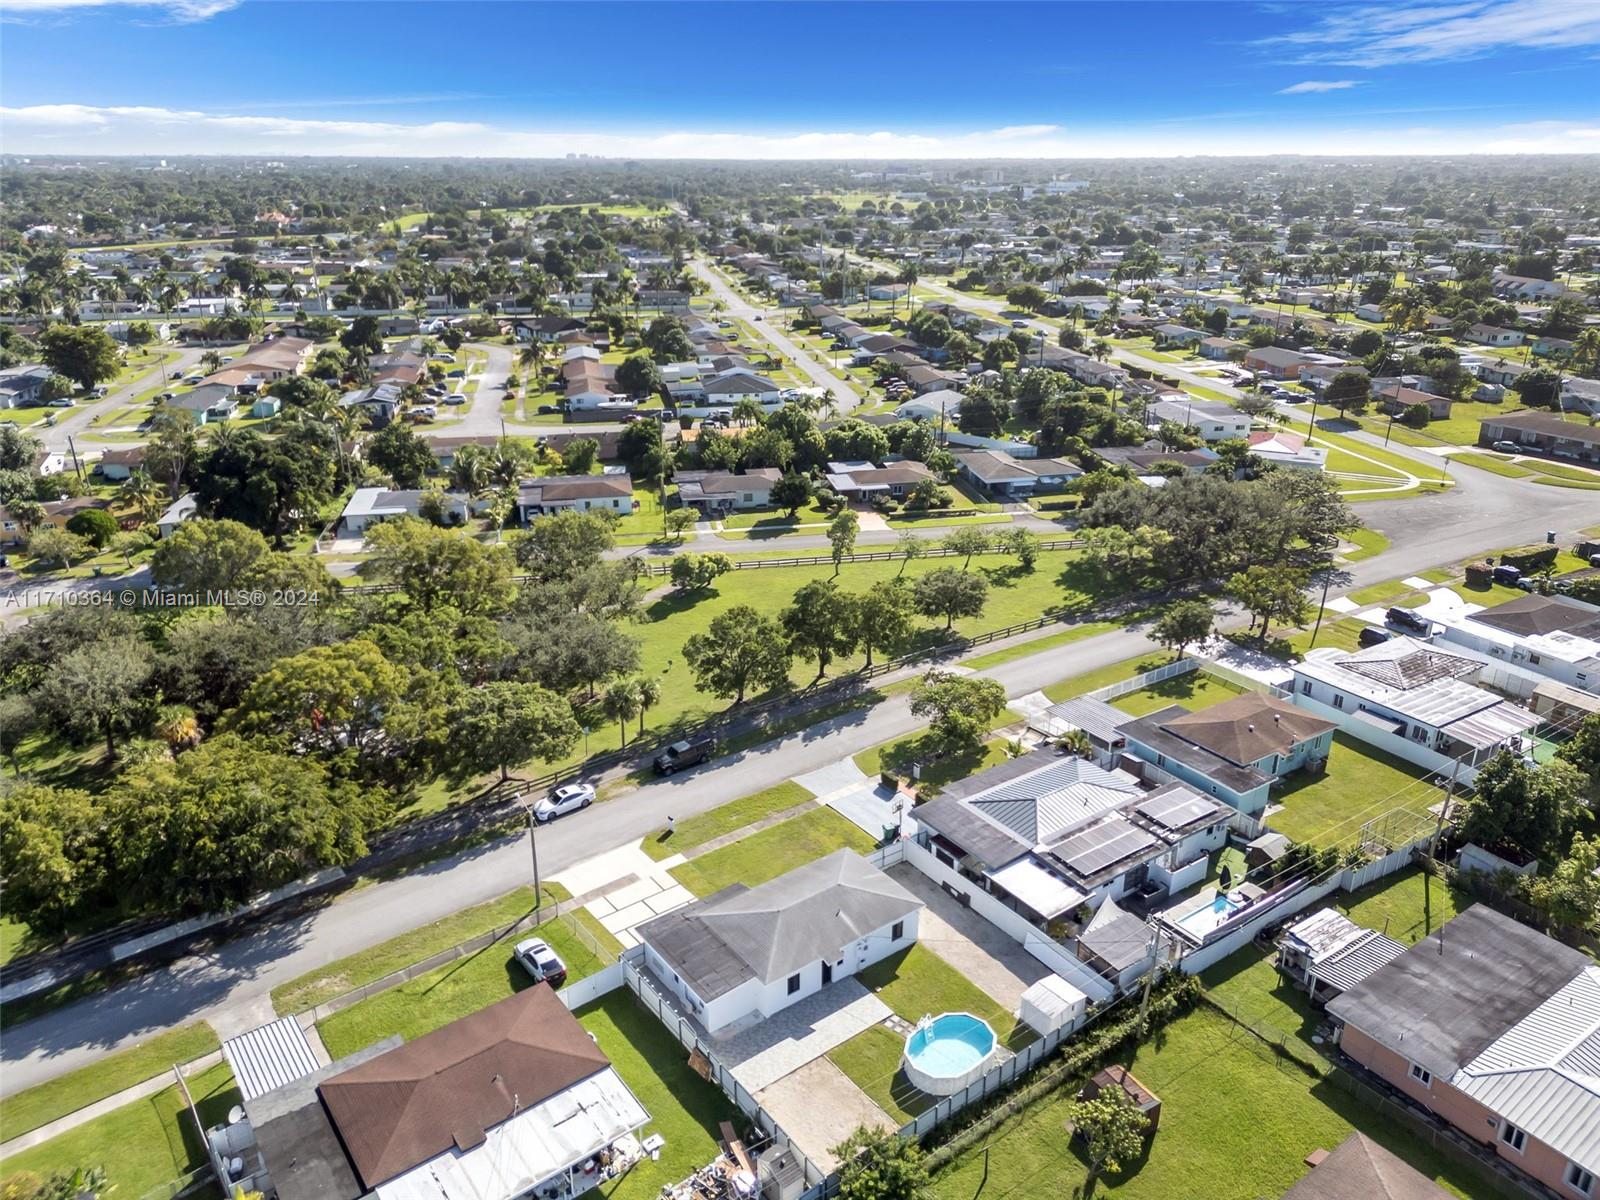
{"points": [[1413, 752], [1583, 674]]}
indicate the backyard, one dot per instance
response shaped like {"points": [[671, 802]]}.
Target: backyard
{"points": [[1359, 784]]}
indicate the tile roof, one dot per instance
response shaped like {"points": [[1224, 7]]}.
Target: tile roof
{"points": [[1248, 728], [1360, 1169]]}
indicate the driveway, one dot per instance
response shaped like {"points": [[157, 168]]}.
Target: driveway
{"points": [[819, 1106], [999, 966]]}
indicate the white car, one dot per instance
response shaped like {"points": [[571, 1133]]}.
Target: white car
{"points": [[569, 797], [538, 960]]}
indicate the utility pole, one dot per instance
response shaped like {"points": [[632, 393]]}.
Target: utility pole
{"points": [[76, 465], [1444, 809], [533, 846], [1149, 979], [1327, 578]]}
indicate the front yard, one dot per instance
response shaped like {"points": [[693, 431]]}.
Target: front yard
{"points": [[772, 851], [725, 819]]}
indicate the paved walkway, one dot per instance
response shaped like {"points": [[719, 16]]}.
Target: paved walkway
{"points": [[778, 1046], [653, 891], [999, 967]]}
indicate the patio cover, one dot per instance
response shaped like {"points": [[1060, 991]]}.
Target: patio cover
{"points": [[1041, 890], [1492, 726]]}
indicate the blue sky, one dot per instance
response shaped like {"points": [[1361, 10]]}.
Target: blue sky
{"points": [[798, 80]]}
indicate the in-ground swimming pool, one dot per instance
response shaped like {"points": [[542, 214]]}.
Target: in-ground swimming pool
{"points": [[946, 1053], [1207, 915]]}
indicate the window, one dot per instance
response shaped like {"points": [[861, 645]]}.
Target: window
{"points": [[897, 931], [1419, 733], [1305, 687], [1422, 1075], [1579, 1180], [1512, 1136], [794, 983], [1338, 700], [1534, 659]]}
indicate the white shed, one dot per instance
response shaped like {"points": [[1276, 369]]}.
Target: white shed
{"points": [[1052, 1004]]}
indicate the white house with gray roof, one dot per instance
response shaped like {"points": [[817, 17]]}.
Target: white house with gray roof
{"points": [[743, 954]]}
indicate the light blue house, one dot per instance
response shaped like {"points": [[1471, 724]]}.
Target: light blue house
{"points": [[1233, 750]]}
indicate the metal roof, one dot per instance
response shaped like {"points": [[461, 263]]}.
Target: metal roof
{"points": [[1357, 959], [1095, 717], [1117, 938], [269, 1056], [1492, 725], [1035, 885], [1102, 846], [1543, 1074]]}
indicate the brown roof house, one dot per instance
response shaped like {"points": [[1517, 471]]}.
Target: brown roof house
{"points": [[1360, 1169], [1234, 750], [515, 1099]]}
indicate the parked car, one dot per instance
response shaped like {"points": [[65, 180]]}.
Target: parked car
{"points": [[1019, 324], [1507, 447], [458, 373], [1373, 635], [102, 390], [688, 753], [455, 398], [569, 797], [546, 409], [1508, 575], [61, 403], [535, 957], [1409, 619]]}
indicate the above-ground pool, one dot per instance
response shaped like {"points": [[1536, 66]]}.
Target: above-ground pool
{"points": [[946, 1053]]}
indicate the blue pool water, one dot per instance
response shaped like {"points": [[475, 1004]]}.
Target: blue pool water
{"points": [[1211, 915], [950, 1045]]}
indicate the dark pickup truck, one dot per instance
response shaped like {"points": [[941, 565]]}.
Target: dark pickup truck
{"points": [[684, 754]]}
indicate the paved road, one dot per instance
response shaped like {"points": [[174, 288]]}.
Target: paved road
{"points": [[844, 390], [75, 422]]}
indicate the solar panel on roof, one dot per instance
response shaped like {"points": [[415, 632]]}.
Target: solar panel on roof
{"points": [[1099, 846], [1176, 809]]}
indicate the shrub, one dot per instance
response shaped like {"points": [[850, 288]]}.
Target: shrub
{"points": [[1530, 559], [95, 526], [1479, 574]]}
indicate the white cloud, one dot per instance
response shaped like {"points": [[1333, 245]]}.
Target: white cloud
{"points": [[1318, 85], [1381, 36], [177, 11], [80, 129]]}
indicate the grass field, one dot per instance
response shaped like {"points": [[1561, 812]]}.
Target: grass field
{"points": [[1065, 637], [1360, 784], [1091, 681], [1196, 690], [462, 987], [344, 974], [142, 1146], [27, 1110], [772, 851], [1204, 1067], [725, 819], [1407, 906]]}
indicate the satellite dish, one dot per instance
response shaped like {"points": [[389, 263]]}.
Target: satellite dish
{"points": [[235, 1114]]}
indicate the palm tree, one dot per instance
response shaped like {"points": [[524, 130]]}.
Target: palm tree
{"points": [[141, 492], [621, 703], [748, 412], [649, 696], [469, 470]]}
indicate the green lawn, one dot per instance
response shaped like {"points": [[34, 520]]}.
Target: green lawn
{"points": [[1380, 593], [683, 1108], [916, 982], [342, 975], [1407, 906], [1236, 1124], [67, 1093], [725, 819], [1037, 645], [1360, 784], [461, 988], [142, 1146], [1194, 691], [899, 755], [1093, 681], [872, 1061], [773, 520], [1341, 634], [772, 851], [645, 517], [1367, 542], [1250, 989]]}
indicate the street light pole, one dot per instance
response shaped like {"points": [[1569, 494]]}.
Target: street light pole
{"points": [[533, 847]]}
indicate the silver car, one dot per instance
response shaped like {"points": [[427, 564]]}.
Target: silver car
{"points": [[569, 797], [539, 961]]}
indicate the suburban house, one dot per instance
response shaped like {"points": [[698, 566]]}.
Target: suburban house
{"points": [[1319, 375], [368, 506], [1234, 750], [1211, 419], [1495, 1029], [1284, 449], [1395, 398], [1369, 312], [1412, 699], [21, 386], [1493, 335], [723, 491], [1054, 837], [379, 402], [999, 474], [1524, 287], [1543, 433], [1142, 460], [1555, 637], [611, 492], [1219, 348], [942, 407], [1327, 953], [444, 447], [402, 366], [179, 511], [862, 481], [263, 364], [1178, 335], [546, 328], [1275, 362], [117, 465], [743, 954], [924, 379], [1360, 1169], [514, 1100], [733, 386]]}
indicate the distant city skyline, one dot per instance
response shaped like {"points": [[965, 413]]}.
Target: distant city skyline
{"points": [[798, 80]]}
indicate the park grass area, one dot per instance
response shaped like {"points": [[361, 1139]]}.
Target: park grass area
{"points": [[1203, 1066], [1360, 784], [466, 985], [772, 851], [684, 1108], [148, 1144], [1367, 542], [914, 983], [345, 974], [725, 819], [1194, 690], [1093, 681], [43, 1103]]}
